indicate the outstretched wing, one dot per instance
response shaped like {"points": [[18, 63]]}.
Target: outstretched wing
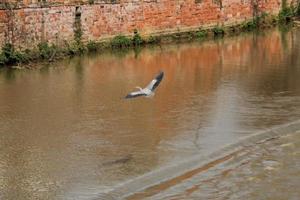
{"points": [[134, 94], [155, 82]]}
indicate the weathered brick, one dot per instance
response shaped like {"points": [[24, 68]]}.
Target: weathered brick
{"points": [[56, 23]]}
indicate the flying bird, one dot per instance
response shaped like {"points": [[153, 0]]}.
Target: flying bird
{"points": [[149, 90]]}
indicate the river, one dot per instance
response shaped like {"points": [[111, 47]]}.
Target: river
{"points": [[66, 131]]}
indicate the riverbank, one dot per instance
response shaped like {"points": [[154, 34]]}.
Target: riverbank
{"points": [[46, 52], [251, 160]]}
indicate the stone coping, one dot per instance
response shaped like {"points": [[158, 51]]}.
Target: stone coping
{"points": [[170, 172]]}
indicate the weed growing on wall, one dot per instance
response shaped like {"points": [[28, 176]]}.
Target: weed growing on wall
{"points": [[248, 26], [92, 46], [285, 15], [152, 40], [286, 12], [3, 59], [218, 31], [9, 55], [201, 34], [121, 41], [46, 51], [297, 12], [77, 47], [137, 39], [91, 2]]}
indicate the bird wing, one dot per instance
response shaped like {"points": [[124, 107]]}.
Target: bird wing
{"points": [[155, 82], [134, 94]]}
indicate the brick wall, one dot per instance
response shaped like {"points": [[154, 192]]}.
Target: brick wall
{"points": [[33, 21]]}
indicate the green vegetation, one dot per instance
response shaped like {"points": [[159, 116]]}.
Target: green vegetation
{"points": [[75, 48], [249, 25], [201, 34], [218, 31], [190, 35], [92, 46], [3, 59], [91, 2], [260, 21], [152, 40], [10, 56], [45, 51], [121, 41], [137, 39], [287, 12], [297, 9]]}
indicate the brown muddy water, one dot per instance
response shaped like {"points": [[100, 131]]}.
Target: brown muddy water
{"points": [[67, 133]]}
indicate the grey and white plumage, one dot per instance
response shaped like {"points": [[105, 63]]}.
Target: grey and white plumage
{"points": [[149, 90]]}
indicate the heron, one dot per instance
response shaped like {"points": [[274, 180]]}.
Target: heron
{"points": [[149, 90]]}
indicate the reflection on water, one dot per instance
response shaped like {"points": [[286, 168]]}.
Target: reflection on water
{"points": [[66, 132]]}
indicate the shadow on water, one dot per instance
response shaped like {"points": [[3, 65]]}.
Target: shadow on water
{"points": [[8, 74]]}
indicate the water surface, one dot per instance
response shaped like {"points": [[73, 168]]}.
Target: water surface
{"points": [[66, 132]]}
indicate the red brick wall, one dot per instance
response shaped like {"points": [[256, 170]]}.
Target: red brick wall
{"points": [[28, 25]]}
